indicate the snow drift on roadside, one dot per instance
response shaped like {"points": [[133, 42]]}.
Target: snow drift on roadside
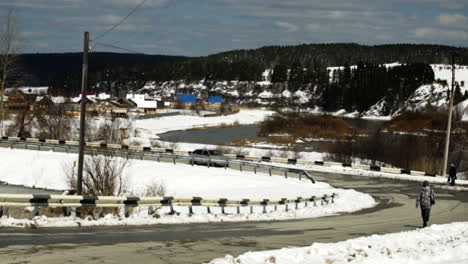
{"points": [[438, 244]]}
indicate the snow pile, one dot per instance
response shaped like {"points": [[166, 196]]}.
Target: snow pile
{"points": [[438, 244]]}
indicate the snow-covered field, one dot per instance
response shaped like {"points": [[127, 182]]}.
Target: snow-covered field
{"points": [[437, 244], [45, 169]]}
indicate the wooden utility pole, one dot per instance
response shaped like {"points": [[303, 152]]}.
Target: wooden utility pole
{"points": [[449, 123], [84, 84]]}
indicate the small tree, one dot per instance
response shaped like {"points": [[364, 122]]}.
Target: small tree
{"points": [[103, 174], [53, 123]]}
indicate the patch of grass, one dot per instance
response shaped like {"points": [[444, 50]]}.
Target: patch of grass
{"points": [[307, 126]]}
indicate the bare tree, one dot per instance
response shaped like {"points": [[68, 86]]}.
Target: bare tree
{"points": [[9, 46], [103, 174], [53, 123]]}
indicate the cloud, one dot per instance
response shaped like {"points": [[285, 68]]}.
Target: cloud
{"points": [[288, 27], [313, 27], [453, 20], [440, 34], [110, 19]]}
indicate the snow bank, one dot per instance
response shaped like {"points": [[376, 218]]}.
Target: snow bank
{"points": [[141, 217], [438, 244]]}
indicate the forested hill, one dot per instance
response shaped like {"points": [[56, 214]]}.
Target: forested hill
{"points": [[346, 53], [40, 68], [63, 71]]}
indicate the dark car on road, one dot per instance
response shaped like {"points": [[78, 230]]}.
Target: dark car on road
{"points": [[208, 157]]}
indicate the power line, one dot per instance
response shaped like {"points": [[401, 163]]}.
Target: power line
{"points": [[115, 47], [120, 22]]}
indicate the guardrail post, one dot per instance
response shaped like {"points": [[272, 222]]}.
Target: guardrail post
{"points": [[222, 209], [287, 207], [251, 209], [126, 211], [159, 158], [226, 164], [240, 166], [324, 199], [269, 170], [255, 169], [173, 159], [35, 211], [238, 209], [190, 210], [313, 199], [1, 211], [264, 203], [66, 211], [100, 212], [300, 176], [208, 210], [150, 210], [276, 207], [286, 174], [298, 200]]}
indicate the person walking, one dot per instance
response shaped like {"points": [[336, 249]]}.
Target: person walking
{"points": [[452, 175], [425, 199]]}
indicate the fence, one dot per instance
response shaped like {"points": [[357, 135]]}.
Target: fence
{"points": [[67, 202]]}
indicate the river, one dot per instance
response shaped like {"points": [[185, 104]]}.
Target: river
{"points": [[222, 136]]}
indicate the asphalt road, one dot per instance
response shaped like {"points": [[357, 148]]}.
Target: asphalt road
{"points": [[198, 243]]}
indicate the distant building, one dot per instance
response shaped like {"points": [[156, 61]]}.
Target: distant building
{"points": [[215, 100], [143, 105], [187, 98]]}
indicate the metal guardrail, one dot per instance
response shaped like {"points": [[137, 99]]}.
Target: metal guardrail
{"points": [[77, 201], [146, 150], [156, 154]]}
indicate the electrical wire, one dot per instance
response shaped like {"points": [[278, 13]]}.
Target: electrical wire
{"points": [[114, 47], [120, 22]]}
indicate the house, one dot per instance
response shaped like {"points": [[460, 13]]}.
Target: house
{"points": [[92, 106], [18, 100], [43, 103], [142, 104], [113, 108]]}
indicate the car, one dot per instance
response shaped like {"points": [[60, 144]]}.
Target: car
{"points": [[208, 157]]}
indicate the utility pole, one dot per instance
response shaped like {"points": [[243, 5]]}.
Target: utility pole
{"points": [[84, 84], [449, 123]]}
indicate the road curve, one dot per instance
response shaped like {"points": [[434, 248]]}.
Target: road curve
{"points": [[198, 243]]}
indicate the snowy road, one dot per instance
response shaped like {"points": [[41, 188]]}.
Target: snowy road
{"points": [[200, 243]]}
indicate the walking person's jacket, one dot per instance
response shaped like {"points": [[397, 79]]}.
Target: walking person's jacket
{"points": [[426, 197]]}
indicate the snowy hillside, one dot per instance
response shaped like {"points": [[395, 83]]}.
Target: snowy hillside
{"points": [[267, 93], [435, 94]]}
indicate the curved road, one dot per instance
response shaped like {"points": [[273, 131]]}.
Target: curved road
{"points": [[198, 243]]}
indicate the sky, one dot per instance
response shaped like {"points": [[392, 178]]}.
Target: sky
{"points": [[203, 27]]}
